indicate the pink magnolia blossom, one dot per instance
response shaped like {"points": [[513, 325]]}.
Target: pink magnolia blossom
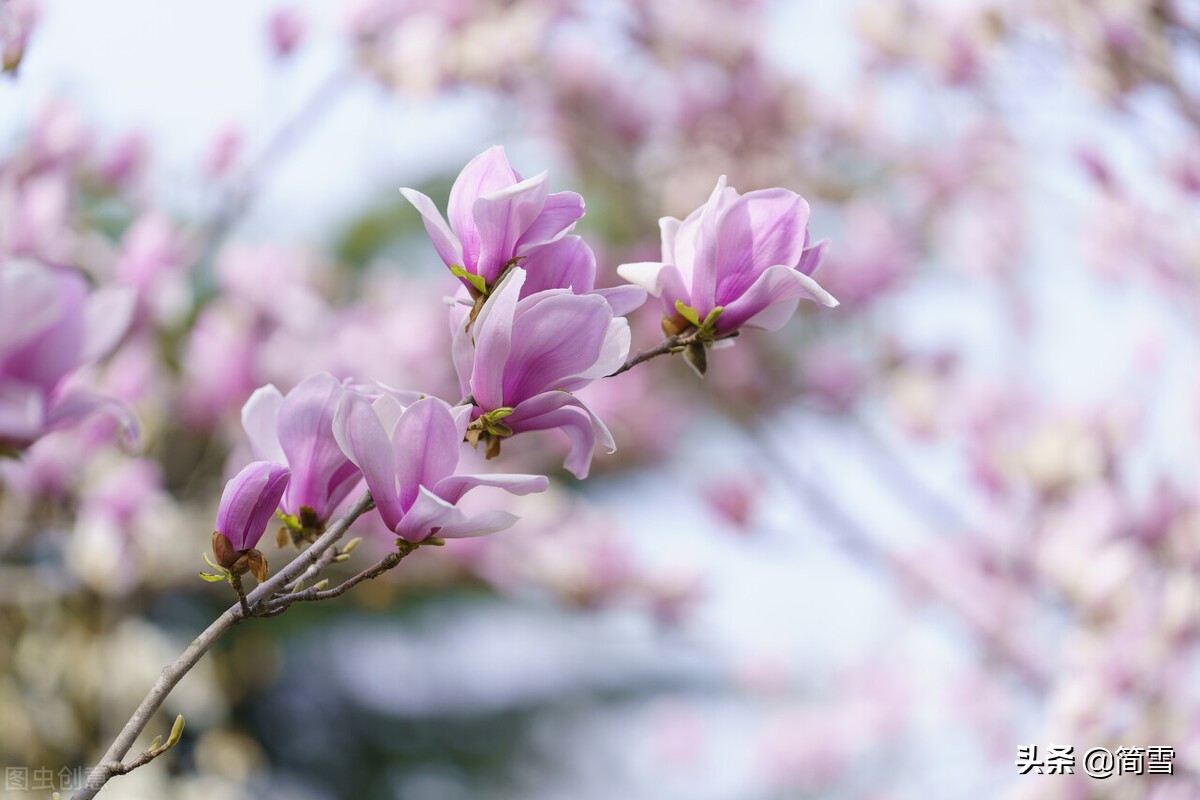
{"points": [[747, 255], [496, 218], [52, 327], [528, 354], [285, 30], [297, 429], [409, 457], [249, 501]]}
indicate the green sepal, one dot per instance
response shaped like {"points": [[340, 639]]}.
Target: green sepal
{"points": [[710, 322], [212, 563], [475, 280], [688, 313], [291, 520], [490, 422], [221, 575]]}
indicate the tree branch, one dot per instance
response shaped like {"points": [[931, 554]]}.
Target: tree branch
{"points": [[110, 763], [278, 604], [672, 344]]}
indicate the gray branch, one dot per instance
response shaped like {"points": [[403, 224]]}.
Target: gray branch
{"points": [[110, 764]]}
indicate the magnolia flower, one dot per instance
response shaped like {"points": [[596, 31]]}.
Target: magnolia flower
{"points": [[738, 261], [523, 357], [51, 327], [409, 456], [297, 430], [496, 218], [247, 505]]}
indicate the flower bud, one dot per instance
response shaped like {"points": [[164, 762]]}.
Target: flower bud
{"points": [[247, 505]]}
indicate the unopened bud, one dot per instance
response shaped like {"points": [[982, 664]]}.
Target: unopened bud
{"points": [[176, 732]]}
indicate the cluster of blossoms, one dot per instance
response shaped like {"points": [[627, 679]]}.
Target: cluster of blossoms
{"points": [[529, 329]]}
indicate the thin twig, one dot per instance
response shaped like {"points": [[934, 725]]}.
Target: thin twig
{"points": [[672, 344], [279, 604], [174, 672], [313, 570], [152, 752]]}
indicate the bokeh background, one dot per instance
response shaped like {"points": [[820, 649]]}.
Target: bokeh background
{"points": [[869, 556]]}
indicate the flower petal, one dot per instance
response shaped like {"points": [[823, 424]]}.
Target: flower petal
{"points": [[360, 434], [770, 302], [478, 525], [389, 408], [305, 427], [444, 241], [811, 258], [554, 337], [452, 489], [565, 411], [107, 316], [260, 421], [427, 512], [646, 274], [697, 245], [502, 217], [664, 281], [493, 341], [566, 264], [623, 299], [248, 502], [426, 441], [559, 214], [485, 173], [77, 404], [613, 351]]}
